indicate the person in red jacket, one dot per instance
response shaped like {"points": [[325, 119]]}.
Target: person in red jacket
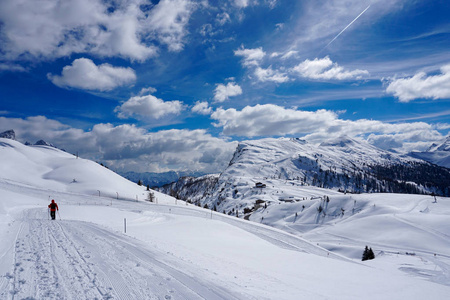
{"points": [[53, 208]]}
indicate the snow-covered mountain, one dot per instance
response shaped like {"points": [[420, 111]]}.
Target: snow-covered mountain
{"points": [[274, 170], [192, 189], [438, 153], [8, 134], [102, 247]]}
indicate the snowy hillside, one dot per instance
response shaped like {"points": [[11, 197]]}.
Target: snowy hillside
{"points": [[50, 168], [275, 170], [344, 163], [172, 250], [438, 154]]}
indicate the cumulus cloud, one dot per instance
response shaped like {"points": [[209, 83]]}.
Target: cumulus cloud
{"points": [[128, 147], [268, 120], [270, 75], [35, 128], [318, 126], [84, 74], [161, 151], [148, 107], [224, 92], [126, 28], [251, 57], [317, 69], [422, 86], [202, 108], [325, 69]]}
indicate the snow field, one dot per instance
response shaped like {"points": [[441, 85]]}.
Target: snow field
{"points": [[176, 251], [88, 252]]}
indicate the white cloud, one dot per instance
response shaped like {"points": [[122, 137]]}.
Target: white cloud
{"points": [[168, 22], [271, 3], [223, 18], [289, 54], [126, 28], [321, 125], [241, 3], [11, 67], [202, 108], [224, 92], [318, 69], [148, 90], [84, 74], [35, 128], [325, 69], [279, 26], [148, 107], [246, 3], [251, 56], [421, 86], [128, 147], [270, 75], [268, 120]]}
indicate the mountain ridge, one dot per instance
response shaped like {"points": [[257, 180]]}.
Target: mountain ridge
{"points": [[343, 165]]}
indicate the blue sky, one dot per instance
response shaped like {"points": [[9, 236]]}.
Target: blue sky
{"points": [[175, 84]]}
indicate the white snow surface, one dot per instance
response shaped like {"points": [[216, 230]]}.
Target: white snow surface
{"points": [[171, 250]]}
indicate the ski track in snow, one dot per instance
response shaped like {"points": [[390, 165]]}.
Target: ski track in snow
{"points": [[80, 260]]}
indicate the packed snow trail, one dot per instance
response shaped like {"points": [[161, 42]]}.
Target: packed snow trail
{"points": [[80, 260]]}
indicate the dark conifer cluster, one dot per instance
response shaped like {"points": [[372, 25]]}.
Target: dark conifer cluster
{"points": [[368, 254]]}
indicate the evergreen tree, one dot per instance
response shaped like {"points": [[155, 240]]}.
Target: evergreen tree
{"points": [[371, 254], [365, 255], [368, 254]]}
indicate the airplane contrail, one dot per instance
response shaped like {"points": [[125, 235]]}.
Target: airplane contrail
{"points": [[345, 28]]}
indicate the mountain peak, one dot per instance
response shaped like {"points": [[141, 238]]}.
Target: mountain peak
{"points": [[43, 143], [444, 145], [8, 134]]}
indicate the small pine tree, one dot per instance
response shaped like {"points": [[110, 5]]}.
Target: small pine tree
{"points": [[368, 254], [371, 254], [365, 255]]}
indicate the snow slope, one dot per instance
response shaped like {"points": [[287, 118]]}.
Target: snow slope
{"points": [[50, 168], [176, 251], [273, 171]]}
